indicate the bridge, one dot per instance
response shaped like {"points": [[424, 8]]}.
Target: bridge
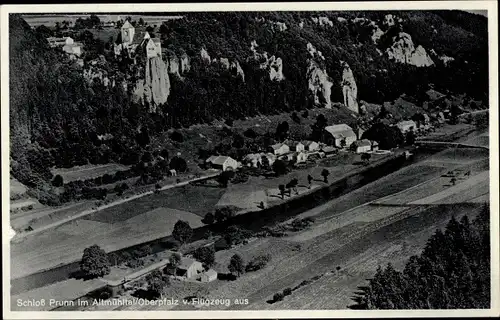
{"points": [[443, 144]]}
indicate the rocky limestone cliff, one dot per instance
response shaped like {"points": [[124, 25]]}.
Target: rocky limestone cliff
{"points": [[233, 66], [319, 84], [92, 73], [403, 51], [273, 65], [349, 88], [154, 88], [322, 21], [178, 66]]}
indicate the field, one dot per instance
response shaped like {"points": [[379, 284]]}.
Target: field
{"points": [[65, 243], [87, 171]]}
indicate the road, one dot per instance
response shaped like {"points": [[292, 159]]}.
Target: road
{"points": [[20, 236]]}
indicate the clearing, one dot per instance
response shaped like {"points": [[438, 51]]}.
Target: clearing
{"points": [[87, 171]]}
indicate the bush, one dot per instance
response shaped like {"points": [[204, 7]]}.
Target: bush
{"points": [[177, 136], [135, 263], [287, 291], [95, 262], [278, 297], [58, 181], [257, 263]]}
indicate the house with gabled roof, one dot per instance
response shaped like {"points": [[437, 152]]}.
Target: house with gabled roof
{"points": [[340, 135], [223, 163]]}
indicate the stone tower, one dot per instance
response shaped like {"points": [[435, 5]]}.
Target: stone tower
{"points": [[127, 32]]}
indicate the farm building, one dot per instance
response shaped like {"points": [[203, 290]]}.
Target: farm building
{"points": [[209, 276], [189, 268], [222, 162], [279, 149], [338, 133], [406, 126], [361, 146], [310, 145]]}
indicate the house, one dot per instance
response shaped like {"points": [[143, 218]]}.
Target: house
{"points": [[67, 44], [209, 276], [407, 125], [310, 146], [340, 135], [189, 268], [279, 149], [223, 163], [297, 146], [361, 146]]}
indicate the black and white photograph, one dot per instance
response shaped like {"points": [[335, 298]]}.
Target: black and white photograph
{"points": [[295, 158]]}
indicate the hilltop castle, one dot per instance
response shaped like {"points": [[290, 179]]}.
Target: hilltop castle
{"points": [[139, 43]]}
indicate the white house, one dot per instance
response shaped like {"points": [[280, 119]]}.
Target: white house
{"points": [[338, 133], [406, 126], [361, 146], [279, 149], [311, 146], [189, 268], [209, 276], [222, 162], [67, 44]]}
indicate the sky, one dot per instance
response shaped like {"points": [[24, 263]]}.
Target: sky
{"points": [[481, 12]]}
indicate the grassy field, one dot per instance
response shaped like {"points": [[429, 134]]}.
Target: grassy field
{"points": [[196, 199], [65, 243], [87, 171]]}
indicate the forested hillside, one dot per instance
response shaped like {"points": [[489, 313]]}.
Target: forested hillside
{"points": [[240, 65], [453, 272]]}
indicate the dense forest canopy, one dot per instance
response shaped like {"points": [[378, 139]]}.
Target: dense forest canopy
{"points": [[56, 116], [453, 272]]}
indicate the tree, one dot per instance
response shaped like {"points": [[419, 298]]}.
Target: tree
{"points": [[265, 162], [182, 231], [388, 137], [205, 255], [225, 177], [141, 21], [281, 187], [295, 117], [236, 265], [209, 218], [410, 137], [309, 180], [58, 181], [279, 167], [95, 262], [178, 164], [366, 157], [250, 133], [177, 136], [157, 282], [223, 214], [282, 131], [278, 297], [325, 173], [257, 263], [305, 114]]}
